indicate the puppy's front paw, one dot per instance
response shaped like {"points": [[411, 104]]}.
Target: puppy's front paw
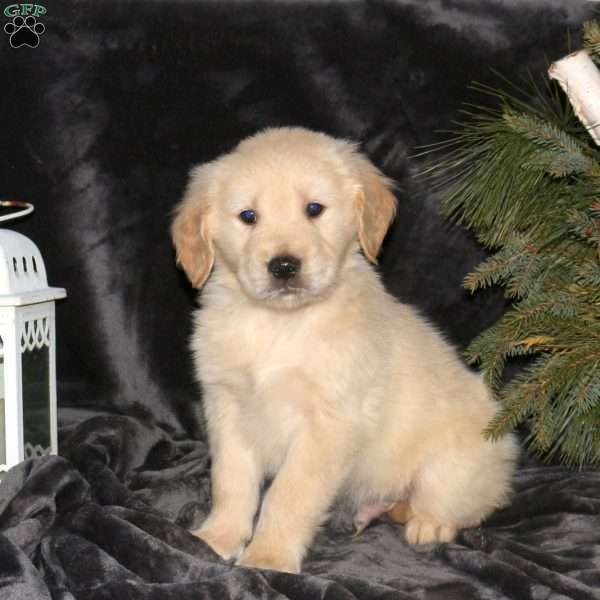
{"points": [[273, 558], [225, 537], [423, 531]]}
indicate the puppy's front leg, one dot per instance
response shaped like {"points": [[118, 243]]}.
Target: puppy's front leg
{"points": [[298, 500], [235, 477]]}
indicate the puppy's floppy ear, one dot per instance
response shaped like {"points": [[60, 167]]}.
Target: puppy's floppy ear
{"points": [[191, 228], [375, 206]]}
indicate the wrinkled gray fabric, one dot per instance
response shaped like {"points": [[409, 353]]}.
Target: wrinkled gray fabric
{"points": [[89, 533]]}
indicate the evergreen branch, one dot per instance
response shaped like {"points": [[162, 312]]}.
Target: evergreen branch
{"points": [[525, 178], [495, 269], [520, 398], [563, 154]]}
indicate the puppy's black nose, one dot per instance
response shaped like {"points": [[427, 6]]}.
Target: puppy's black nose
{"points": [[284, 267]]}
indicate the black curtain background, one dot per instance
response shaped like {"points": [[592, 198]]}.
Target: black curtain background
{"points": [[102, 121]]}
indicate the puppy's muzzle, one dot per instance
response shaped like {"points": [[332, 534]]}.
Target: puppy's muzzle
{"points": [[284, 267]]}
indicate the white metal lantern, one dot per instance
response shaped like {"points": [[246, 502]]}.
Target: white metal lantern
{"points": [[28, 420]]}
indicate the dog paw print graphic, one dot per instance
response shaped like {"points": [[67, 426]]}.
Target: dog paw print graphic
{"points": [[24, 31]]}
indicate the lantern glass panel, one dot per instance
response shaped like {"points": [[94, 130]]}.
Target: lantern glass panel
{"points": [[35, 365]]}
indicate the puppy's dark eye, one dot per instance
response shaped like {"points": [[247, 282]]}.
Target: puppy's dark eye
{"points": [[314, 209], [248, 217]]}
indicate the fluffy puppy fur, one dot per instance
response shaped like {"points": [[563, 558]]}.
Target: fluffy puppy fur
{"points": [[318, 377]]}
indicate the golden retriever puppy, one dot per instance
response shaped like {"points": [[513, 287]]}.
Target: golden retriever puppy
{"points": [[312, 374]]}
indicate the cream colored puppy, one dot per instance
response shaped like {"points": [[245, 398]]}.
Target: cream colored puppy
{"points": [[312, 373]]}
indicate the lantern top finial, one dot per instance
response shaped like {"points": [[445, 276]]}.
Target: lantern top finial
{"points": [[22, 272]]}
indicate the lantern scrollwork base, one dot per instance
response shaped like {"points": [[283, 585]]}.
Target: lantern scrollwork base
{"points": [[35, 451]]}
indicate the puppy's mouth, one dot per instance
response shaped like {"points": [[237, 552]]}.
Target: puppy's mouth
{"points": [[280, 289]]}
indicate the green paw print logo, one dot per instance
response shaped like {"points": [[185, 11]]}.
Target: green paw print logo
{"points": [[24, 29]]}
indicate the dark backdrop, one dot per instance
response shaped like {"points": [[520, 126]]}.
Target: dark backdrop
{"points": [[102, 121]]}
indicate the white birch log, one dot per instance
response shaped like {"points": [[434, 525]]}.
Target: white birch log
{"points": [[580, 79]]}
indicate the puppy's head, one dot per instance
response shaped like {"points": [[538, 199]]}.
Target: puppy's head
{"points": [[282, 213]]}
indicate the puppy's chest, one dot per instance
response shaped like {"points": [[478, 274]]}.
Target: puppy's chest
{"points": [[255, 346], [268, 364]]}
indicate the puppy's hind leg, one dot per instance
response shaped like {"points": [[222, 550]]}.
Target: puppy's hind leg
{"points": [[459, 489]]}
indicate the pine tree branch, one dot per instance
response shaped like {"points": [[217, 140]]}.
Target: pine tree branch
{"points": [[525, 178]]}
